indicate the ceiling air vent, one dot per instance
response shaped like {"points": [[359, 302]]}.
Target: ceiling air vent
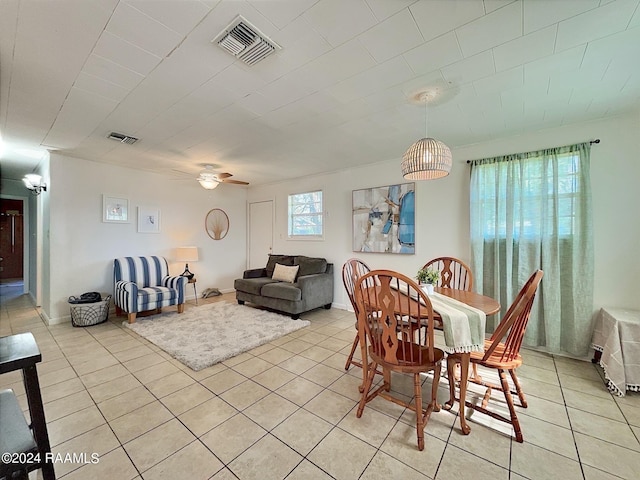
{"points": [[245, 42], [122, 138]]}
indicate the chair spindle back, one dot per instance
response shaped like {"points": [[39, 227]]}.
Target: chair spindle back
{"points": [[352, 270], [393, 311], [454, 273], [514, 323]]}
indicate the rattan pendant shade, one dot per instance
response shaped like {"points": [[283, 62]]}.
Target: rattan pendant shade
{"points": [[427, 159]]}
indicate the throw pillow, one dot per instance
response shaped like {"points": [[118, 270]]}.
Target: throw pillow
{"points": [[285, 273], [281, 259], [310, 265]]}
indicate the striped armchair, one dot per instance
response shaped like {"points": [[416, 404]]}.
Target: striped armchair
{"points": [[143, 283]]}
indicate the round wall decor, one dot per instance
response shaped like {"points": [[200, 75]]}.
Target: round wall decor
{"points": [[216, 224]]}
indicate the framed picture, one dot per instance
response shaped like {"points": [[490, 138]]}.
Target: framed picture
{"points": [[115, 209], [216, 223], [384, 219], [148, 220]]}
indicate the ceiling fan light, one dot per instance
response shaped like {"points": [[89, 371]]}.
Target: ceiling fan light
{"points": [[208, 183], [208, 179], [427, 159]]}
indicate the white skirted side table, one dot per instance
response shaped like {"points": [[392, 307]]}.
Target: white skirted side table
{"points": [[616, 341]]}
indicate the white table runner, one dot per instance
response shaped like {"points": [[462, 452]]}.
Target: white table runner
{"points": [[463, 325]]}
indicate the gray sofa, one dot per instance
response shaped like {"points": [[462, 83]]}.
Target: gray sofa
{"points": [[312, 288]]}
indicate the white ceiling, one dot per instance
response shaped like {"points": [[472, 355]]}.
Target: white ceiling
{"points": [[337, 94]]}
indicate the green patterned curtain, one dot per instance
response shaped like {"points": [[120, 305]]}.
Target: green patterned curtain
{"points": [[533, 210]]}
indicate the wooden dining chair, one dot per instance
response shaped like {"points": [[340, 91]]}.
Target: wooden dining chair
{"points": [[353, 269], [389, 306], [454, 273], [503, 356]]}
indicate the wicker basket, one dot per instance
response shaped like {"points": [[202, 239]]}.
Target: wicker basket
{"points": [[86, 314]]}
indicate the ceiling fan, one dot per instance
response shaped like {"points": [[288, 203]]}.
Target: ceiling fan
{"points": [[210, 180]]}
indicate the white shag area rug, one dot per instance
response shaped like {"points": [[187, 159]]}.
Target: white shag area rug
{"points": [[205, 335]]}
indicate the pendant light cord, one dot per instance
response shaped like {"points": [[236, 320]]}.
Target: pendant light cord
{"points": [[425, 97]]}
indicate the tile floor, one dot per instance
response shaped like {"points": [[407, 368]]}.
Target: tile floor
{"points": [[287, 410]]}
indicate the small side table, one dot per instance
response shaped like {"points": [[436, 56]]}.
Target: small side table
{"points": [[193, 281], [20, 352], [616, 334]]}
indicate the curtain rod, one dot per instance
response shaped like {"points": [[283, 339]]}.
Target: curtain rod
{"points": [[597, 140]]}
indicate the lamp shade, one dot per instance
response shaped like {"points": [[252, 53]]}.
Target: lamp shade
{"points": [[208, 179], [427, 159], [208, 184], [187, 254], [32, 180]]}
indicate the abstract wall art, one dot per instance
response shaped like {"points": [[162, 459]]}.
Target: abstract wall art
{"points": [[384, 219]]}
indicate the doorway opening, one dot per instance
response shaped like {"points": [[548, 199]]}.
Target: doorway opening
{"points": [[13, 255]]}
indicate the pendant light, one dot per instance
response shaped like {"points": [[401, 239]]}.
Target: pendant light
{"points": [[428, 158]]}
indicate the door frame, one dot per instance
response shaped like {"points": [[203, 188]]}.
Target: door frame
{"points": [[25, 238], [249, 233]]}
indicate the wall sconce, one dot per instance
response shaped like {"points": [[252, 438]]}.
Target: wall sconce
{"points": [[34, 183]]}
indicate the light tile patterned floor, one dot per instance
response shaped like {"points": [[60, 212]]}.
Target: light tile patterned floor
{"points": [[287, 410]]}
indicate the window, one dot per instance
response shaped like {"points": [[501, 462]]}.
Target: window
{"points": [[532, 188], [305, 215], [533, 211]]}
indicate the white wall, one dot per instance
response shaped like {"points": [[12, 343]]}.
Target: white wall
{"points": [[82, 247], [616, 200], [12, 187], [615, 169], [442, 207], [44, 252], [442, 218]]}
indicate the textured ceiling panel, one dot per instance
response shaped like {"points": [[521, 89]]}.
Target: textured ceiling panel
{"points": [[337, 94]]}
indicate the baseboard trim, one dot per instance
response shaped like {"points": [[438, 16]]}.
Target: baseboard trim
{"points": [[53, 321]]}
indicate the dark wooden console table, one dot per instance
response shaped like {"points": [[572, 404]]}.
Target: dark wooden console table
{"points": [[21, 352]]}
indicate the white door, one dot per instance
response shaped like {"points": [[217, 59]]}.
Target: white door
{"points": [[260, 233]]}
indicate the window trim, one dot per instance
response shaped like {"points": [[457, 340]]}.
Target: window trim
{"points": [[291, 236]]}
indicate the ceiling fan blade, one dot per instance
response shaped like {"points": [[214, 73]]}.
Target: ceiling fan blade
{"points": [[223, 175], [237, 182]]}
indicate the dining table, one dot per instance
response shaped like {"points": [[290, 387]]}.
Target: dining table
{"points": [[478, 301]]}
